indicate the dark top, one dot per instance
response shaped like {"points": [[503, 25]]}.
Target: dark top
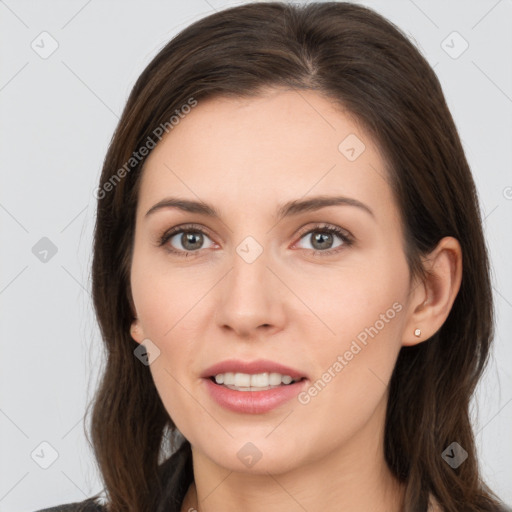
{"points": [[178, 474]]}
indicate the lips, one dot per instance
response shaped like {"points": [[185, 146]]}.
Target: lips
{"points": [[252, 402], [252, 368]]}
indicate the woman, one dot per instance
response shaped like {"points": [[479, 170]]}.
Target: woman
{"points": [[290, 275]]}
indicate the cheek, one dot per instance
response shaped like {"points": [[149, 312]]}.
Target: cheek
{"points": [[354, 366], [164, 294], [351, 298], [364, 309], [170, 312], [169, 307]]}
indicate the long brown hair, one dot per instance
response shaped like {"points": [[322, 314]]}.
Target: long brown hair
{"points": [[356, 57]]}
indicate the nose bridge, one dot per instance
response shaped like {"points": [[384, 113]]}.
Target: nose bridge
{"points": [[249, 298], [249, 277]]}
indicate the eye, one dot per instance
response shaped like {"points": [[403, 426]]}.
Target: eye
{"points": [[183, 240], [189, 239], [323, 238]]}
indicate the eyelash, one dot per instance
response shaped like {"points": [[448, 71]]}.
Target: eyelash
{"points": [[192, 228]]}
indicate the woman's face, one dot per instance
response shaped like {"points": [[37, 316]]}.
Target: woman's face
{"points": [[255, 285]]}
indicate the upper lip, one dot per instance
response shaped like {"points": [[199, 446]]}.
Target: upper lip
{"points": [[251, 367]]}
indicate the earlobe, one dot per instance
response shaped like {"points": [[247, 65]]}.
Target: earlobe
{"points": [[136, 331], [435, 298]]}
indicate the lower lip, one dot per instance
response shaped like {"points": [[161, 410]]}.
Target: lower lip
{"points": [[253, 402]]}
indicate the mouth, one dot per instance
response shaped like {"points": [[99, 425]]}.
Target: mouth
{"points": [[252, 387]]}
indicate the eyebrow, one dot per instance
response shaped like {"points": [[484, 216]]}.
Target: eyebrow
{"points": [[288, 209]]}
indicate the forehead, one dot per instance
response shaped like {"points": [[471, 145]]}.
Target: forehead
{"points": [[278, 146]]}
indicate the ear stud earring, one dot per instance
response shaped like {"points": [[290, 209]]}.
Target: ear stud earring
{"points": [[417, 332]]}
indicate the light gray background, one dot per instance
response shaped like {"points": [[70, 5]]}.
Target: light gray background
{"points": [[57, 117]]}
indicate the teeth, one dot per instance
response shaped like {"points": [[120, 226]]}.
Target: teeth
{"points": [[259, 380], [274, 379], [242, 380]]}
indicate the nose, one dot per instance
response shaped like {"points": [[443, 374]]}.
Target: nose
{"points": [[250, 298]]}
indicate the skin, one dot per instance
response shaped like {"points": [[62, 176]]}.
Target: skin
{"points": [[246, 157]]}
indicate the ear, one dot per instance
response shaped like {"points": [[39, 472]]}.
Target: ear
{"points": [[432, 298], [136, 331]]}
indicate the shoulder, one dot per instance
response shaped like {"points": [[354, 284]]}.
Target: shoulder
{"points": [[88, 505]]}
